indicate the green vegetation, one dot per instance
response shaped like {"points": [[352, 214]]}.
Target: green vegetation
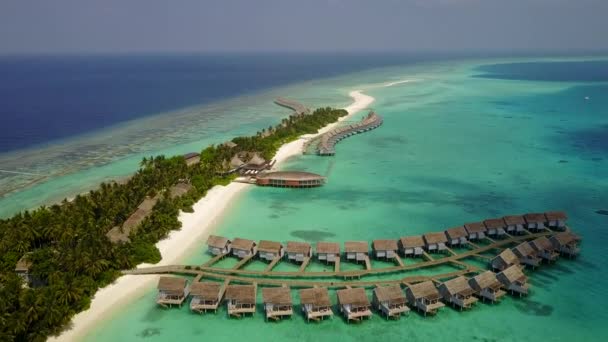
{"points": [[67, 245]]}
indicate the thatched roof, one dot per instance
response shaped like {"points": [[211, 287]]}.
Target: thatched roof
{"points": [[179, 189], [276, 295], [236, 161], [24, 263], [392, 294], [556, 215], [458, 285], [318, 296], [384, 245], [513, 220], [328, 247], [269, 246], [494, 223], [508, 256], [487, 279], [436, 237], [424, 290], [566, 238], [475, 227], [524, 249], [191, 155], [256, 160], [356, 247], [541, 243], [355, 296], [217, 241], [121, 234], [242, 244], [230, 144], [297, 247], [205, 289], [116, 235], [244, 294], [535, 218], [456, 232], [171, 284], [514, 273], [412, 241]]}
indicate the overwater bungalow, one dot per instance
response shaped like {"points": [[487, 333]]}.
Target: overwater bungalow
{"points": [[515, 224], [504, 260], [424, 297], [298, 251], [475, 230], [240, 299], [315, 303], [495, 227], [192, 158], [277, 302], [205, 296], [544, 248], [456, 236], [356, 250], [486, 286], [535, 221], [243, 248], [384, 249], [390, 301], [566, 243], [354, 304], [458, 292], [411, 245], [435, 242], [171, 291], [290, 179], [270, 250], [328, 251], [218, 245], [556, 220], [526, 254], [514, 280]]}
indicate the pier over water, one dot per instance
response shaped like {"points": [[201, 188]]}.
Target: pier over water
{"points": [[328, 141]]}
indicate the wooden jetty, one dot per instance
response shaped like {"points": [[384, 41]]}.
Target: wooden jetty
{"points": [[315, 303], [390, 301], [277, 302], [328, 141], [354, 304], [296, 106]]}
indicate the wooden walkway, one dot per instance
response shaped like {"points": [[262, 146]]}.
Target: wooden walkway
{"points": [[328, 141], [215, 259], [304, 264], [398, 260], [337, 266], [368, 264], [242, 262], [296, 106], [272, 264]]}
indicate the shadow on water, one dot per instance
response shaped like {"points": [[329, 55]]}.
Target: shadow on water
{"points": [[149, 332], [312, 235], [532, 307]]}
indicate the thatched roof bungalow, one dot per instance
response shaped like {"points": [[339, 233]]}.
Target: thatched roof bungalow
{"points": [[386, 249], [243, 248], [458, 292], [315, 303], [495, 227], [434, 242], [544, 248], [566, 243], [556, 219], [456, 236], [270, 250], [515, 224], [526, 254], [535, 221], [171, 291], [487, 286], [390, 301], [218, 245], [411, 245], [504, 260], [475, 230], [328, 251], [205, 296], [192, 158], [298, 251], [354, 304], [240, 299], [424, 297], [356, 250], [277, 302], [514, 280]]}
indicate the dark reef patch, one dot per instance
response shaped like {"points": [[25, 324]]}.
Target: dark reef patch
{"points": [[594, 139], [602, 212], [535, 308], [562, 161], [312, 235], [149, 332]]}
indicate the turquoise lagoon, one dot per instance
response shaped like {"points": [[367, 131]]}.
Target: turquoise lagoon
{"points": [[455, 148]]}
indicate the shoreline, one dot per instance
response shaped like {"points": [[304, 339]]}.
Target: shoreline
{"points": [[196, 226]]}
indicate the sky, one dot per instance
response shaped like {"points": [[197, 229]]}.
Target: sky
{"points": [[124, 26]]}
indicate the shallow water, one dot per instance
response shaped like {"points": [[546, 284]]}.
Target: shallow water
{"points": [[454, 148]]}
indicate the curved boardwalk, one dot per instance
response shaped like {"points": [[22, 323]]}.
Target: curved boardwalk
{"points": [[329, 140], [297, 107]]}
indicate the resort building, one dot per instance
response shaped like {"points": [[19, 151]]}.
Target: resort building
{"points": [[298, 251], [171, 291], [315, 303], [22, 268], [179, 189], [434, 242], [328, 251], [526, 254], [354, 304], [495, 227], [255, 165], [290, 179], [411, 245], [458, 292], [277, 302], [218, 245], [356, 250], [566, 243], [240, 299], [270, 250], [504, 260], [424, 297], [515, 224], [390, 301], [535, 221], [544, 248], [556, 220], [487, 286], [475, 230], [456, 236], [192, 158], [514, 280], [243, 248], [205, 296], [384, 249], [121, 233]]}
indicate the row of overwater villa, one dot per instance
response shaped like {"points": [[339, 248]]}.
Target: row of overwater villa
{"points": [[427, 296], [329, 140]]}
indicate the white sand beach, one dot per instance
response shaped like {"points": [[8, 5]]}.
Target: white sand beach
{"points": [[196, 227]]}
